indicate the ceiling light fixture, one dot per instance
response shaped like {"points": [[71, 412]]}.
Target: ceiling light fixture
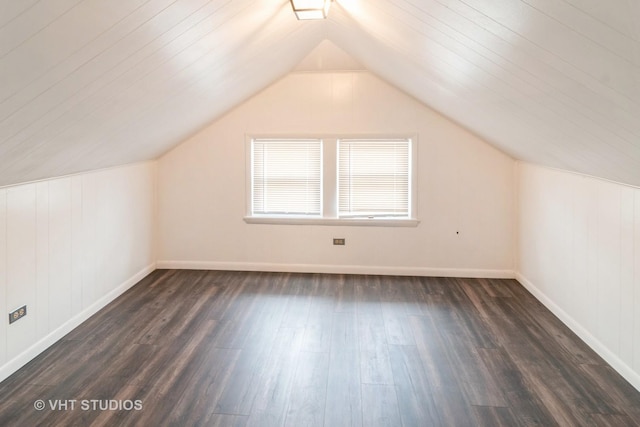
{"points": [[310, 9]]}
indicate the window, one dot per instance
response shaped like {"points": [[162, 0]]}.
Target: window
{"points": [[373, 178], [331, 181], [286, 177]]}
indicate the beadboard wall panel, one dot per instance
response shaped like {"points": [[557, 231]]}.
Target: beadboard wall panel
{"points": [[579, 252], [67, 244]]}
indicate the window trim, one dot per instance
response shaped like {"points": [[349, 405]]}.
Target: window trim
{"points": [[329, 184]]}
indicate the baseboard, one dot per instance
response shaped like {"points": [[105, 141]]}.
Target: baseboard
{"points": [[337, 269], [616, 363], [26, 356]]}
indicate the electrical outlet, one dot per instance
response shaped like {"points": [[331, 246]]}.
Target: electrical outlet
{"points": [[17, 314], [340, 242]]}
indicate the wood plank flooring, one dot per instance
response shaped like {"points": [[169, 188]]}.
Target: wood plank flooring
{"points": [[215, 348]]}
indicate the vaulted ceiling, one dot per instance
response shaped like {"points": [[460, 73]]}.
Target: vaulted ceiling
{"points": [[86, 84]]}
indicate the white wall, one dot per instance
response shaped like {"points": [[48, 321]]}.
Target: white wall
{"points": [[464, 186], [579, 253], [68, 246]]}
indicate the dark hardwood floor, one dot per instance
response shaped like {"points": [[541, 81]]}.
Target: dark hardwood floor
{"points": [[274, 349]]}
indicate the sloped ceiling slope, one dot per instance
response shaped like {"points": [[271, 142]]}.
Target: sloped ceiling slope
{"points": [[86, 84], [554, 82]]}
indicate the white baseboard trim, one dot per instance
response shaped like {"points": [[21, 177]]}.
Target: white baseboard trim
{"points": [[30, 353], [612, 359], [337, 269]]}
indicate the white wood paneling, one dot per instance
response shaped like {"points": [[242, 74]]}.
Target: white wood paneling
{"points": [[584, 24], [138, 63], [30, 21], [95, 83], [59, 267], [89, 18], [327, 56], [42, 259], [3, 273], [78, 243], [623, 19], [502, 67], [592, 279], [21, 265], [580, 286], [592, 257], [636, 284], [60, 244], [90, 280], [608, 245], [10, 9], [627, 254]]}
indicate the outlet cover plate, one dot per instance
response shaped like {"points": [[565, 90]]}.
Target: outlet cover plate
{"points": [[17, 314]]}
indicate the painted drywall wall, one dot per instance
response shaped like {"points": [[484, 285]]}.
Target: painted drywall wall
{"points": [[465, 186], [68, 246], [579, 253]]}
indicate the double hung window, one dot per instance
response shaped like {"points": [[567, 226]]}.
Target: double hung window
{"points": [[374, 178], [286, 177], [331, 180]]}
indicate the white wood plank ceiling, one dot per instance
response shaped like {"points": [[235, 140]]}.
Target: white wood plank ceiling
{"points": [[86, 84]]}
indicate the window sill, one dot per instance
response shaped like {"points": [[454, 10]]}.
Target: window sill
{"points": [[357, 222]]}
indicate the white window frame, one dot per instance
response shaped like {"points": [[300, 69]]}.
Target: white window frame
{"points": [[329, 201]]}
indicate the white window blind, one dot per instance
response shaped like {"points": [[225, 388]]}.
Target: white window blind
{"points": [[286, 177], [374, 178]]}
